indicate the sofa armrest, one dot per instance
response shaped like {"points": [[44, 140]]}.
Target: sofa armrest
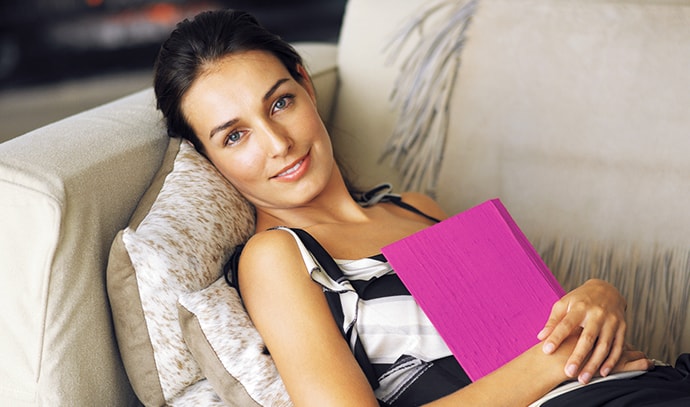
{"points": [[65, 191], [320, 60]]}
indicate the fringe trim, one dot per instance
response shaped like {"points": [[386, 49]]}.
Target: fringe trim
{"points": [[655, 281], [422, 92]]}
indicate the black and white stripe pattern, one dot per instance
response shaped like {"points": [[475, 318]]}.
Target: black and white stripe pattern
{"points": [[391, 338]]}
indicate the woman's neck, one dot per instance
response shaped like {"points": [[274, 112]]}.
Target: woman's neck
{"points": [[334, 205]]}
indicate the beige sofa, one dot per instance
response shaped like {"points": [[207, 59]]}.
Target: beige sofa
{"points": [[573, 113]]}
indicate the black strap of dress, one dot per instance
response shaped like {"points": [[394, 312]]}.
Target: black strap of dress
{"points": [[382, 193]]}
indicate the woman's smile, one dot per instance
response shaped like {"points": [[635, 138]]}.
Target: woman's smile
{"points": [[294, 171]]}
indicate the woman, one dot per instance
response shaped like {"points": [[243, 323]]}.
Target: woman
{"points": [[243, 97]]}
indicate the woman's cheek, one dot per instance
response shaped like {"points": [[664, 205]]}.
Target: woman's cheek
{"points": [[242, 172]]}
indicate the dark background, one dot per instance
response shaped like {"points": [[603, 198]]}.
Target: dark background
{"points": [[44, 41]]}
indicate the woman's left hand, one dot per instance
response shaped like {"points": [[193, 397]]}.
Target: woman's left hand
{"points": [[598, 310]]}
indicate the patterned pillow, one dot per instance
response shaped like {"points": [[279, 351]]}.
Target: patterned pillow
{"points": [[200, 393], [224, 341], [185, 228]]}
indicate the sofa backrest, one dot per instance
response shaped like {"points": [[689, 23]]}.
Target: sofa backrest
{"points": [[572, 112], [65, 191]]}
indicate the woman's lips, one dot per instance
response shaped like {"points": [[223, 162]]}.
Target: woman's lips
{"points": [[294, 170]]}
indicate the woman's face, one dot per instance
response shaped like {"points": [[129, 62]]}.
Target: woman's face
{"points": [[260, 128]]}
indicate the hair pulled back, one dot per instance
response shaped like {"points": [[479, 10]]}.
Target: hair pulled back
{"points": [[195, 44]]}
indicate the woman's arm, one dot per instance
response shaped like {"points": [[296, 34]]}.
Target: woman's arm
{"points": [[316, 364], [530, 376], [517, 383], [291, 313]]}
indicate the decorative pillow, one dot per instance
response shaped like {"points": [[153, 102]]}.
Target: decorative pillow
{"points": [[184, 230], [200, 393], [230, 351]]}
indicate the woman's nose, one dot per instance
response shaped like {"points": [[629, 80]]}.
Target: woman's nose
{"points": [[277, 140]]}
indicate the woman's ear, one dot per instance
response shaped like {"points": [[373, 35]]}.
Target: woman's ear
{"points": [[306, 82]]}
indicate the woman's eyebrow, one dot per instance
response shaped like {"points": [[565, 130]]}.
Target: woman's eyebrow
{"points": [[274, 88], [222, 127]]}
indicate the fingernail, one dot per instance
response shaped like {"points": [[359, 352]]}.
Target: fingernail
{"points": [[571, 370], [585, 378], [605, 371], [541, 334], [548, 348]]}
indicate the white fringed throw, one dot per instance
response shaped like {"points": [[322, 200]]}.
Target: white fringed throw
{"points": [[655, 282], [423, 90]]}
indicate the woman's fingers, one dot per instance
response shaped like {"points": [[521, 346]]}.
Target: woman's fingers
{"points": [[600, 349], [628, 361], [617, 349], [598, 311], [632, 360], [604, 338], [558, 311], [561, 324], [584, 350], [600, 341]]}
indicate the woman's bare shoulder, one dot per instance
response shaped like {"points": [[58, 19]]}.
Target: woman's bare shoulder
{"points": [[270, 257], [274, 246], [424, 203], [270, 238]]}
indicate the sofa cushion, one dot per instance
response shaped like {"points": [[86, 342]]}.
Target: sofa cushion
{"points": [[230, 351], [178, 239]]}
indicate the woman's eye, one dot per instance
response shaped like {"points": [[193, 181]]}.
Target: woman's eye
{"points": [[233, 138], [283, 102]]}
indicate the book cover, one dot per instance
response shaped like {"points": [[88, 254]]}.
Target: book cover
{"points": [[481, 283]]}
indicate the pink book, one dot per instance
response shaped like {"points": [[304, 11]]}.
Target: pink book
{"points": [[481, 283]]}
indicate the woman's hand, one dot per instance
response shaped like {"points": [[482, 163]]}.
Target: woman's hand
{"points": [[632, 360], [597, 310]]}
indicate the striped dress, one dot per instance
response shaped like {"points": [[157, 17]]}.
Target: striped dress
{"points": [[401, 353], [403, 356], [408, 364]]}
